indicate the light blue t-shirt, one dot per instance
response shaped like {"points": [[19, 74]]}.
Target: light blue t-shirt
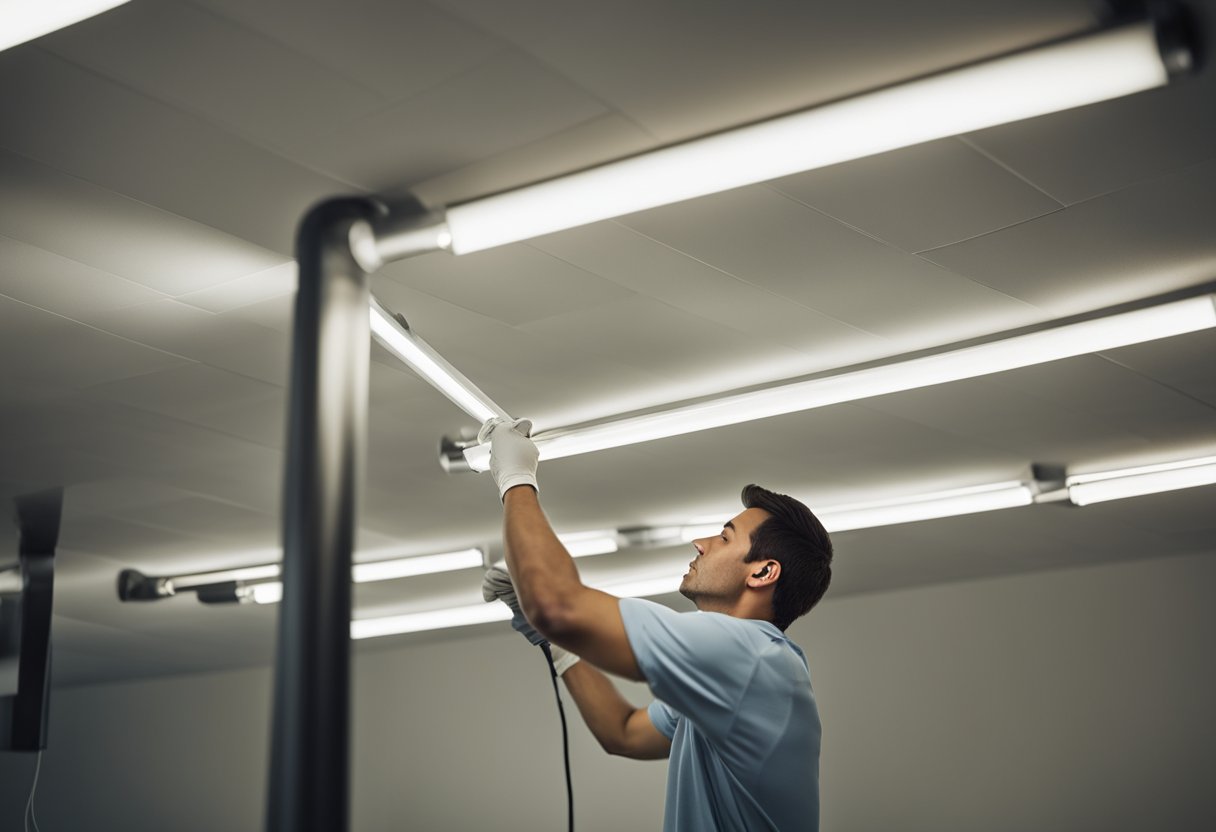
{"points": [[734, 697]]}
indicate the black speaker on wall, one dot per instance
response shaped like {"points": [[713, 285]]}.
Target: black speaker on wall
{"points": [[26, 593]]}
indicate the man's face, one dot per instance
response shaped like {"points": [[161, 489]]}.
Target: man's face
{"points": [[718, 572]]}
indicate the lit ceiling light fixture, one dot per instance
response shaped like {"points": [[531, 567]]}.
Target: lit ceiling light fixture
{"points": [[586, 544], [1050, 344], [257, 583], [25, 20], [395, 335], [484, 613], [910, 509], [380, 570], [940, 504], [1084, 489], [1061, 75]]}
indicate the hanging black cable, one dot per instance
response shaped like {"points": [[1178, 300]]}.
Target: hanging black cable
{"points": [[544, 646]]}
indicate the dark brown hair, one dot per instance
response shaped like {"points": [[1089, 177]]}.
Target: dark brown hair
{"points": [[795, 538]]}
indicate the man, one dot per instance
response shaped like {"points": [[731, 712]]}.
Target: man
{"points": [[734, 708]]}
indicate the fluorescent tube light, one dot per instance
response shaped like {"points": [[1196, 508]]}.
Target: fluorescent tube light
{"points": [[930, 506], [431, 620], [246, 573], [1084, 489], [256, 584], [1109, 64], [1066, 341], [387, 570], [24, 20], [926, 506], [484, 613], [383, 570], [430, 365], [585, 544]]}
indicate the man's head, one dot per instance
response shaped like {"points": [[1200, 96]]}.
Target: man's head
{"points": [[776, 548]]}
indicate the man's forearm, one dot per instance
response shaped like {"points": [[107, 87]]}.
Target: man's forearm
{"points": [[603, 708], [541, 568]]}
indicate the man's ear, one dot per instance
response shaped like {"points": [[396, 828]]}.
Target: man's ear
{"points": [[763, 574]]}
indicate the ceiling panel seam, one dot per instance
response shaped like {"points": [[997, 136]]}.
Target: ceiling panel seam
{"points": [[548, 65], [745, 282], [996, 160], [1206, 404], [288, 47]]}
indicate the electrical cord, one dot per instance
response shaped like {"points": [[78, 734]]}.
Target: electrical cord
{"points": [[544, 646], [29, 804]]}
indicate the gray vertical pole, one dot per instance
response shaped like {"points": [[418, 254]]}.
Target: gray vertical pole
{"points": [[326, 439]]}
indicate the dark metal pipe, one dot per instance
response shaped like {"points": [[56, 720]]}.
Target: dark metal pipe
{"points": [[326, 440]]}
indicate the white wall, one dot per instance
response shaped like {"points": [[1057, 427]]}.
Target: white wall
{"points": [[1067, 700]]}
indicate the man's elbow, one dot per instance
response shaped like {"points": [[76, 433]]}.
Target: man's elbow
{"points": [[551, 617]]}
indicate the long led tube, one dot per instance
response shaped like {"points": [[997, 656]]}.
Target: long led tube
{"points": [[1110, 332], [580, 544], [931, 506], [24, 20], [1084, 489], [483, 613], [377, 570], [431, 366], [1096, 67]]}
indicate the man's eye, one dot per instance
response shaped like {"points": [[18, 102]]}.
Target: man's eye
{"points": [[723, 536]]}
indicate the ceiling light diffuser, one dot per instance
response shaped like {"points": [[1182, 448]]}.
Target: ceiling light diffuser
{"points": [[1064, 341], [1084, 489], [1084, 70], [24, 20]]}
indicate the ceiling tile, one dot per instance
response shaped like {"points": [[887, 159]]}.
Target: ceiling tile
{"points": [[812, 259], [658, 271], [209, 519], [98, 130], [243, 291], [193, 393], [66, 287], [512, 284], [588, 143], [47, 351], [509, 101], [1183, 363], [261, 90], [397, 49], [553, 381], [659, 338], [1144, 240], [118, 234], [921, 197], [226, 342]]}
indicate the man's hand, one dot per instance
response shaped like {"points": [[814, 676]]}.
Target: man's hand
{"points": [[497, 586], [513, 456]]}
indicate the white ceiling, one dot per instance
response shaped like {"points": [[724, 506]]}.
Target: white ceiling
{"points": [[155, 160]]}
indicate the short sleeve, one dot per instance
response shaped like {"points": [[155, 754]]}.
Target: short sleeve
{"points": [[699, 664], [663, 718]]}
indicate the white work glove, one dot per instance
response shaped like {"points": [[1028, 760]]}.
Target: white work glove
{"points": [[497, 585], [513, 456]]}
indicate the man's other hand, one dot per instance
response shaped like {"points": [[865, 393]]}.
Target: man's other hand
{"points": [[496, 585]]}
